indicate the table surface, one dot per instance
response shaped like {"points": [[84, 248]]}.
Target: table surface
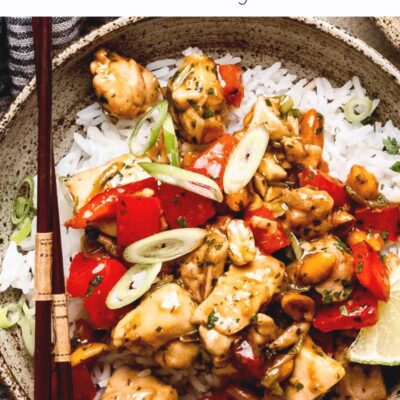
{"points": [[361, 27]]}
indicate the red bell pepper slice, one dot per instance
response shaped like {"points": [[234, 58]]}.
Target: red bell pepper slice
{"points": [[137, 218], [103, 280], [247, 361], [104, 204], [212, 161], [184, 209], [80, 275], [232, 86], [381, 220], [83, 386], [311, 128], [268, 239], [360, 311], [371, 270], [322, 181]]}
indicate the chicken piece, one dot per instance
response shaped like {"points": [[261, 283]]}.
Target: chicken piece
{"points": [[361, 382], [262, 331], [125, 88], [309, 212], [270, 169], [127, 384], [203, 266], [177, 355], [337, 286], [217, 344], [238, 295], [314, 373], [240, 200], [197, 104], [242, 248], [264, 112], [120, 171], [141, 333], [307, 155]]}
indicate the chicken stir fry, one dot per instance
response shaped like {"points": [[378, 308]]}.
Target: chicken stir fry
{"points": [[124, 87], [227, 264], [197, 103]]}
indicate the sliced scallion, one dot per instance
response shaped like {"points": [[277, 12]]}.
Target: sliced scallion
{"points": [[185, 179], [143, 140], [357, 109], [171, 142], [10, 314], [135, 282]]}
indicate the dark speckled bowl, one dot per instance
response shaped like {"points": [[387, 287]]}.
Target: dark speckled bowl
{"points": [[308, 47]]}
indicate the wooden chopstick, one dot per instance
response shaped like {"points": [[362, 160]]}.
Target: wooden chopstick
{"points": [[43, 257], [43, 41]]}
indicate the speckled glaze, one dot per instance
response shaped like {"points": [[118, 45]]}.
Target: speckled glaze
{"points": [[390, 26], [309, 47]]}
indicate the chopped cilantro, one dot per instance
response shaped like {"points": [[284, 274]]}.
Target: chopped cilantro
{"points": [[93, 283], [210, 91], [384, 235], [295, 112], [212, 319], [208, 113], [391, 146], [298, 386], [396, 166], [360, 265], [182, 222], [342, 246]]}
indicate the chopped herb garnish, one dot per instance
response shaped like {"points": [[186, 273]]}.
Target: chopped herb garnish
{"points": [[318, 131], [396, 166], [93, 283], [343, 310], [158, 329], [298, 386], [370, 120], [327, 297], [295, 112], [360, 266], [342, 246], [182, 222], [384, 235], [174, 200], [210, 91], [391, 146], [208, 113], [212, 319]]}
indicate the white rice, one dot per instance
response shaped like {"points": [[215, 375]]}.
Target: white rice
{"points": [[98, 140]]}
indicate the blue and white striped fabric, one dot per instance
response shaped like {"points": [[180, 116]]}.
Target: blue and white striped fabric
{"points": [[16, 51]]}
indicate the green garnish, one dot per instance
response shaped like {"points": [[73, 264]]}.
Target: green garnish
{"points": [[396, 166], [360, 266], [342, 246], [295, 112], [208, 113], [298, 386], [210, 91], [211, 321], [391, 146], [93, 283], [182, 222], [384, 235]]}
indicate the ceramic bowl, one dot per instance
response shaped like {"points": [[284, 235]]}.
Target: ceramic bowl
{"points": [[306, 46]]}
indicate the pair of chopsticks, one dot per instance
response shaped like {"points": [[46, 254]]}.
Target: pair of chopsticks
{"points": [[49, 273]]}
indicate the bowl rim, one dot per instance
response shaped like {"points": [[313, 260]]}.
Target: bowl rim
{"points": [[6, 372]]}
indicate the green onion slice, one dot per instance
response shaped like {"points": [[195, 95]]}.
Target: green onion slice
{"points": [[136, 282], [170, 140], [286, 103], [297, 250], [357, 109], [165, 246], [22, 230], [27, 325], [142, 141], [188, 180], [10, 314]]}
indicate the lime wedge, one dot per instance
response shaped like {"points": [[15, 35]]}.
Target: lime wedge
{"points": [[380, 344]]}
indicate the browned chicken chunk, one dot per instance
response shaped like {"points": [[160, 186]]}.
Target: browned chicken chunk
{"points": [[196, 100], [125, 88]]}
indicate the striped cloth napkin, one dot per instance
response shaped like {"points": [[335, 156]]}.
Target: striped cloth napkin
{"points": [[16, 51]]}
